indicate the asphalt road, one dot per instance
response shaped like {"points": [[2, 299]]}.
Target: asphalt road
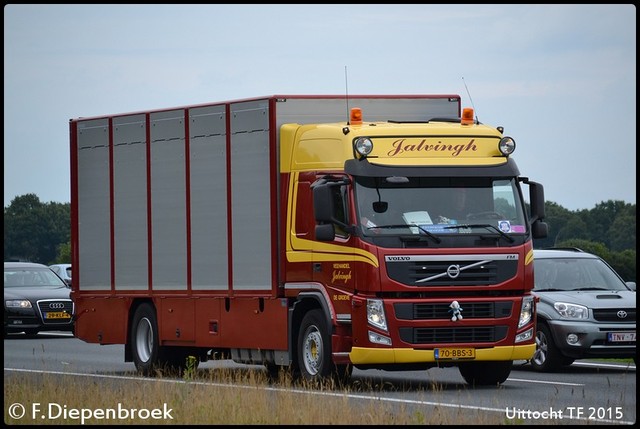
{"points": [[587, 392]]}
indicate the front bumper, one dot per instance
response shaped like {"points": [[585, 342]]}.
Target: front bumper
{"points": [[593, 341], [366, 356]]}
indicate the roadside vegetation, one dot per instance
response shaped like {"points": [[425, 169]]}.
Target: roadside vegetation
{"points": [[223, 396]]}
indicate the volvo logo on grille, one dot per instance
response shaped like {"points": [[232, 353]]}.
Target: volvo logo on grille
{"points": [[56, 306], [453, 271], [622, 314]]}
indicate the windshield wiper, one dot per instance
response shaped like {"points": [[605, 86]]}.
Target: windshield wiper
{"points": [[480, 225], [428, 234], [404, 225], [591, 288]]}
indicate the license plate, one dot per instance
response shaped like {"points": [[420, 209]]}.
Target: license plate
{"points": [[455, 353], [57, 315], [620, 337]]}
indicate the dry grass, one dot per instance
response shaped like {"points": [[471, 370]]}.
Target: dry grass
{"points": [[220, 396]]}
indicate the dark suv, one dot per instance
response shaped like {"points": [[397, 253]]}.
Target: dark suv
{"points": [[586, 310]]}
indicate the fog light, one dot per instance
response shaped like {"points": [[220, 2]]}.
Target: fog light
{"points": [[524, 336], [572, 339], [379, 339]]}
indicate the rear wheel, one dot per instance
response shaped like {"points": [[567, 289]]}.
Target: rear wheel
{"points": [[149, 356], [485, 373], [144, 339]]}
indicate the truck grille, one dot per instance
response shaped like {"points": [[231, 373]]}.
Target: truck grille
{"points": [[441, 311], [473, 334]]}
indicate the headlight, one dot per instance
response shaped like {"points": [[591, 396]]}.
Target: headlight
{"points": [[571, 311], [526, 312], [506, 146], [363, 146], [18, 303], [375, 314]]}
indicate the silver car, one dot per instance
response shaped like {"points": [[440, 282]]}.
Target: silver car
{"points": [[585, 309], [63, 271]]}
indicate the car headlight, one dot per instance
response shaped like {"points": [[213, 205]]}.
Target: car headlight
{"points": [[18, 303], [571, 311], [375, 314]]}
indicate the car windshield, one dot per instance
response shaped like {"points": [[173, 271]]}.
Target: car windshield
{"points": [[573, 274], [30, 277]]}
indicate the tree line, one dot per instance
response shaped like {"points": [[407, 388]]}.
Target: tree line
{"points": [[41, 232]]}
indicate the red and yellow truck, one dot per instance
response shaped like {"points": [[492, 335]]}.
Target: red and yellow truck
{"points": [[314, 232]]}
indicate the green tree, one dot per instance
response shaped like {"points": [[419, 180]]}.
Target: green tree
{"points": [[622, 232], [33, 230]]}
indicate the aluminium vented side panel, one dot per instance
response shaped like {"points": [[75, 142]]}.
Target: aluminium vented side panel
{"points": [[131, 270], [168, 201], [251, 196], [208, 178], [94, 206]]}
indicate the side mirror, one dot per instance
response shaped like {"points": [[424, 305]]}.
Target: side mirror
{"points": [[325, 232], [539, 229], [323, 203]]}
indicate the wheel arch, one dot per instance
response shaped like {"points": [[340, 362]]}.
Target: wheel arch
{"points": [[306, 302]]}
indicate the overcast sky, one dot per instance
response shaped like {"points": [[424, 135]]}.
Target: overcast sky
{"points": [[561, 79]]}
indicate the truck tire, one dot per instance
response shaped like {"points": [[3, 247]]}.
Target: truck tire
{"points": [[314, 347], [149, 356], [485, 373], [547, 357], [144, 340]]}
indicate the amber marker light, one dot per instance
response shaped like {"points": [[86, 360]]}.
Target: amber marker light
{"points": [[467, 116], [355, 116]]}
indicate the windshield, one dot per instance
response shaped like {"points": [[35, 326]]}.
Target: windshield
{"points": [[29, 277], [571, 274], [438, 206]]}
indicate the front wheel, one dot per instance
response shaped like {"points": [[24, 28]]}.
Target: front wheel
{"points": [[314, 347], [547, 357]]}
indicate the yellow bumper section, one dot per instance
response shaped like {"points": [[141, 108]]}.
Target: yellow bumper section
{"points": [[360, 355]]}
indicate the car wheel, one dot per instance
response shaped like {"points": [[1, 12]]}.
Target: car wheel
{"points": [[547, 357]]}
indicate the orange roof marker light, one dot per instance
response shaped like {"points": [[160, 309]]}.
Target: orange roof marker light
{"points": [[467, 116], [355, 116]]}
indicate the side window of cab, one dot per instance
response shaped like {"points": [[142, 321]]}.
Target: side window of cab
{"points": [[340, 203]]}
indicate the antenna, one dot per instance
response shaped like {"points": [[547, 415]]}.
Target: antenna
{"points": [[346, 89], [471, 99]]}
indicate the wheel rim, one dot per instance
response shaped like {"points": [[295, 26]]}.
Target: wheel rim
{"points": [[540, 355], [312, 351], [144, 340]]}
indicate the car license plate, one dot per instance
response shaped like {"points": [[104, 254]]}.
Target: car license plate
{"points": [[455, 353], [57, 315], [620, 337]]}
